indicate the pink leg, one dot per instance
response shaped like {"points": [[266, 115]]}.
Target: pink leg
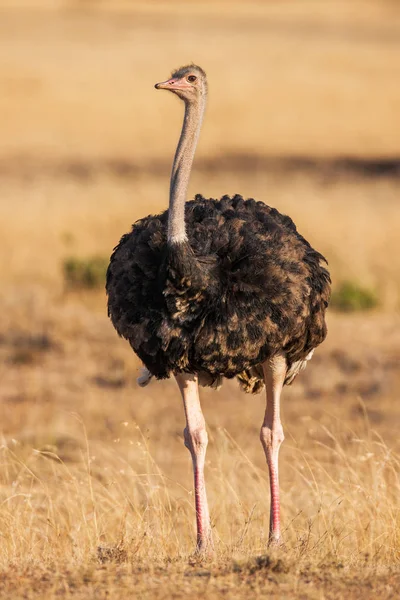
{"points": [[196, 441], [271, 436]]}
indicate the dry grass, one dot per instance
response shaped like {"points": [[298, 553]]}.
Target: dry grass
{"points": [[95, 485], [94, 469]]}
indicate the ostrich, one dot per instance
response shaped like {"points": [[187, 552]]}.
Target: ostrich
{"points": [[217, 288]]}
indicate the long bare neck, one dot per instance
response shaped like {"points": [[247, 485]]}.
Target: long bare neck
{"points": [[181, 170]]}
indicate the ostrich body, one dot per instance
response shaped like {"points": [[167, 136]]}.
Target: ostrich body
{"points": [[218, 288]]}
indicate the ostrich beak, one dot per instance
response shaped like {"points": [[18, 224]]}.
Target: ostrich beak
{"points": [[173, 84]]}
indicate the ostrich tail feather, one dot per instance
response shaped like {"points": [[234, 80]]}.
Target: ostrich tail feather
{"points": [[144, 378], [207, 380], [252, 380], [296, 367]]}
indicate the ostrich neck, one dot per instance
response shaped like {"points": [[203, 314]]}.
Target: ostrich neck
{"points": [[181, 170]]}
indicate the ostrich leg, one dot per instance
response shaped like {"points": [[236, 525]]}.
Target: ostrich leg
{"points": [[196, 441], [271, 436]]}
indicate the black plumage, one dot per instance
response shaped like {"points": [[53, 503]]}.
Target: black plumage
{"points": [[243, 287]]}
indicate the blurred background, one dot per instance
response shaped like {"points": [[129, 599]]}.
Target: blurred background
{"points": [[303, 114]]}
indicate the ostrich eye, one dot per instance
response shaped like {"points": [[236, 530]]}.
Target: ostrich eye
{"points": [[192, 78]]}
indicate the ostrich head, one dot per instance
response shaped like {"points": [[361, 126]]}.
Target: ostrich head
{"points": [[189, 83]]}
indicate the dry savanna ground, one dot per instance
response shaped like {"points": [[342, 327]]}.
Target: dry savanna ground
{"points": [[95, 484]]}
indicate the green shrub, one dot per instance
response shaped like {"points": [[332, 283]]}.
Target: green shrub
{"points": [[351, 297], [85, 273]]}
